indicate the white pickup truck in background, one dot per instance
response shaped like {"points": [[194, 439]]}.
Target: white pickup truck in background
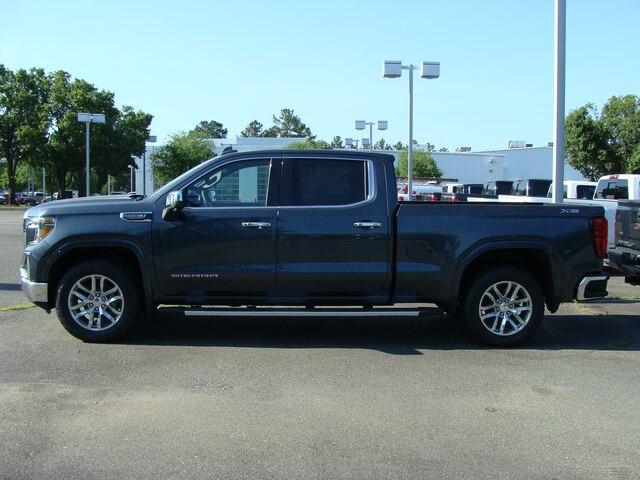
{"points": [[608, 190]]}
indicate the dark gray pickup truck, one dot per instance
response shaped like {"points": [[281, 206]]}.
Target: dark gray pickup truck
{"points": [[307, 228], [625, 256]]}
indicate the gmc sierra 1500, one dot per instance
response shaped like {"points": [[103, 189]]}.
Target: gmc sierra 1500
{"points": [[307, 228]]}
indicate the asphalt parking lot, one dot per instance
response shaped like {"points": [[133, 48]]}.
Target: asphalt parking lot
{"points": [[318, 398]]}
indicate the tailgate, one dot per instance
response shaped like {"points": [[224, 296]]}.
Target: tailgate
{"points": [[628, 225]]}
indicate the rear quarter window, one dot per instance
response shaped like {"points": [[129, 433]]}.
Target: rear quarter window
{"points": [[612, 189]]}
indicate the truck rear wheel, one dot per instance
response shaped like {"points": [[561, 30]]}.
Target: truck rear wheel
{"points": [[96, 301], [504, 307]]}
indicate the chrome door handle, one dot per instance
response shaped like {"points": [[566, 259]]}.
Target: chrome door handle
{"points": [[367, 224], [256, 224]]}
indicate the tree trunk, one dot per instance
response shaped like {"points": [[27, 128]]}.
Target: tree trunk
{"points": [[61, 180]]}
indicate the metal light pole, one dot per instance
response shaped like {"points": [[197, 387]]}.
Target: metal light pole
{"points": [[88, 118], [558, 100], [44, 186], [360, 125], [151, 139], [429, 70]]}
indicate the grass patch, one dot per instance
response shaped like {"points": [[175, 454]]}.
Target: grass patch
{"points": [[19, 306]]}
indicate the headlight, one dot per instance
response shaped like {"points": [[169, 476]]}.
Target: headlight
{"points": [[38, 228]]}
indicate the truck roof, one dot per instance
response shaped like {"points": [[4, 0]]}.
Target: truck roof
{"points": [[321, 153]]}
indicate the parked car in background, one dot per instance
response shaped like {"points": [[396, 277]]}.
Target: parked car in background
{"points": [[32, 198], [491, 191], [498, 187], [576, 189], [618, 187], [306, 228], [66, 194], [459, 192], [625, 255], [531, 187], [421, 193]]}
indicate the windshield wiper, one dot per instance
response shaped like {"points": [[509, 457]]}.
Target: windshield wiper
{"points": [[136, 196]]}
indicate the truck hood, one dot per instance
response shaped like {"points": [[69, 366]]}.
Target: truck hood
{"points": [[89, 205]]}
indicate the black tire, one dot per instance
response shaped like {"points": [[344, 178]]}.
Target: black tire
{"points": [[512, 336], [115, 274]]}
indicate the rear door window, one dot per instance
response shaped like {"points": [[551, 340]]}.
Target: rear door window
{"points": [[317, 182]]}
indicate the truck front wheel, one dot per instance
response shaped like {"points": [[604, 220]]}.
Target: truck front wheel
{"points": [[504, 307], [96, 301]]}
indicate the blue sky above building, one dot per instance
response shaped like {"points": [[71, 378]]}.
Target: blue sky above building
{"points": [[238, 61]]}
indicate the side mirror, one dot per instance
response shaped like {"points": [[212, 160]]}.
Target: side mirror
{"points": [[173, 205]]}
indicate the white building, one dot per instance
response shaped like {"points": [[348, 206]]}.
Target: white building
{"points": [[465, 166], [505, 164]]}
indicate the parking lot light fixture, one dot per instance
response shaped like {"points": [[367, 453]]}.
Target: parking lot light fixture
{"points": [[428, 70], [361, 125], [350, 142], [88, 118]]}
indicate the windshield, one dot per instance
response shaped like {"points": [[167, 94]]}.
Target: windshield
{"points": [[173, 184]]}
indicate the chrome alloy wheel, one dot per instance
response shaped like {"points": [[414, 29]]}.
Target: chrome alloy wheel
{"points": [[96, 302], [505, 308]]}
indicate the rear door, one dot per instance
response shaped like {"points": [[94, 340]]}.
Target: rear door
{"points": [[333, 238]]}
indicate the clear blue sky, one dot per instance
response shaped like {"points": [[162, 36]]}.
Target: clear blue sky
{"points": [[236, 61]]}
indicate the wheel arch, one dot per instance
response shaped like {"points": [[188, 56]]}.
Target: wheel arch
{"points": [[124, 252], [538, 258]]}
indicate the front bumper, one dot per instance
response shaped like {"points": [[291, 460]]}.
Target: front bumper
{"points": [[36, 292], [592, 287]]}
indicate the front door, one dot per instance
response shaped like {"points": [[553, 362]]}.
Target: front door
{"points": [[333, 232], [223, 243]]}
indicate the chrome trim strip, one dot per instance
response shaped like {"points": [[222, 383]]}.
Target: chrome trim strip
{"points": [[301, 313], [34, 291], [584, 283]]}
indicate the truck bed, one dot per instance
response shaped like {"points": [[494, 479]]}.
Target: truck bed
{"points": [[436, 241]]}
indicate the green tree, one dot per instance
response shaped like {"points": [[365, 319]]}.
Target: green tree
{"points": [[587, 145], [23, 120], [113, 144], [621, 118], [288, 124], [424, 166], [430, 147], [399, 146], [310, 144], [382, 145], [599, 144], [183, 152], [443, 149], [271, 132], [253, 129], [211, 129], [337, 142]]}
